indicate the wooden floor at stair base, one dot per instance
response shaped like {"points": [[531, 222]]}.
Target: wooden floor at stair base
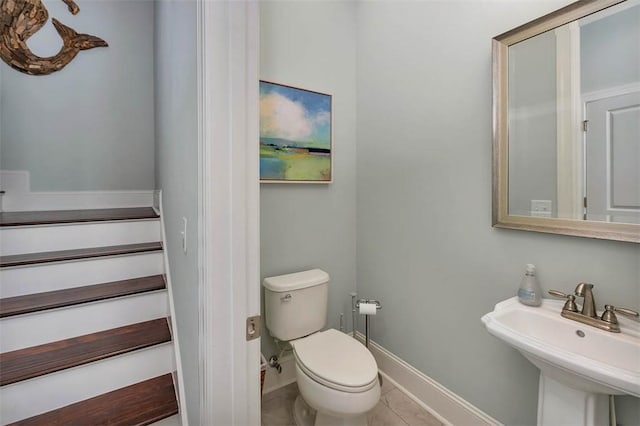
{"points": [[139, 404]]}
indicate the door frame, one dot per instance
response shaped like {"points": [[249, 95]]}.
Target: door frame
{"points": [[569, 152], [228, 210]]}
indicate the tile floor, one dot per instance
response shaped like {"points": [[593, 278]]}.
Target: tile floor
{"points": [[394, 409]]}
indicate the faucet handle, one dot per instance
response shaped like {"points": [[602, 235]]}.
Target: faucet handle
{"points": [[609, 316], [626, 311], [571, 300], [558, 293]]}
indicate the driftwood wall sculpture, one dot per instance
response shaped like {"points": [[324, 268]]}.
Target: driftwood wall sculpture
{"points": [[20, 19]]}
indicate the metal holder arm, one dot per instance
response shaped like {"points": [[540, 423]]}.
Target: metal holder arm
{"points": [[353, 314]]}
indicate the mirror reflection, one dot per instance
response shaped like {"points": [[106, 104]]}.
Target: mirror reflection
{"points": [[574, 119]]}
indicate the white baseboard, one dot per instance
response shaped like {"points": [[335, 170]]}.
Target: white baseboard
{"points": [[19, 197], [157, 195], [274, 380], [448, 407]]}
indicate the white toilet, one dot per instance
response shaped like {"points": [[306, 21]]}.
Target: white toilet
{"points": [[337, 375]]}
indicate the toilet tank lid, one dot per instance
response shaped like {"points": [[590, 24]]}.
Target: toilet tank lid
{"points": [[296, 281]]}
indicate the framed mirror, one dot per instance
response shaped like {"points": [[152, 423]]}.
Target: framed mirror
{"points": [[566, 122]]}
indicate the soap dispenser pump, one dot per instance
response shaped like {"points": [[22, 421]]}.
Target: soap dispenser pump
{"points": [[530, 292]]}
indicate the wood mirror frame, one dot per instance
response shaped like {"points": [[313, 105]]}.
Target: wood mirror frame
{"points": [[500, 202]]}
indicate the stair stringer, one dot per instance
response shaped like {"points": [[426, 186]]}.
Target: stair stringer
{"points": [[178, 376]]}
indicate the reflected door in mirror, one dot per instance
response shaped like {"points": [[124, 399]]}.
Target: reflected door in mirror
{"points": [[613, 159]]}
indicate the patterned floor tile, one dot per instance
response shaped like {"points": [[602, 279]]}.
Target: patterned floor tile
{"points": [[394, 409]]}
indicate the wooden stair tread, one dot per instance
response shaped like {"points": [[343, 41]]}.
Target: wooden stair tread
{"points": [[36, 361], [76, 254], [139, 404], [74, 216], [73, 296]]}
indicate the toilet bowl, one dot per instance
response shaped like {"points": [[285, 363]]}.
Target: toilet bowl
{"points": [[337, 377]]}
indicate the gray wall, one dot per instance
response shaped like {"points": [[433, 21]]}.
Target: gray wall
{"points": [[177, 174], [90, 125], [312, 45], [425, 246], [609, 51]]}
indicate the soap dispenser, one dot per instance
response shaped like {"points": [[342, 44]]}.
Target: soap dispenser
{"points": [[530, 292]]}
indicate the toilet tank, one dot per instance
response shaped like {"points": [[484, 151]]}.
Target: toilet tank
{"points": [[296, 304]]}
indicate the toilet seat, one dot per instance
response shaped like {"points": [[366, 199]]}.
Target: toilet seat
{"points": [[336, 360]]}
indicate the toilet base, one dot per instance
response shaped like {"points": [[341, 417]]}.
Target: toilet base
{"points": [[304, 415]]}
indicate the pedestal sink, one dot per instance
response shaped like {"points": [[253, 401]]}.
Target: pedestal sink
{"points": [[579, 365]]}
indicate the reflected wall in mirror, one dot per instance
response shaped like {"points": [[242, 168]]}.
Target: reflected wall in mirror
{"points": [[567, 122]]}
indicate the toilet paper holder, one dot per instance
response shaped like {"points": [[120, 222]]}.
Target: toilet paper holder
{"points": [[366, 317], [377, 303]]}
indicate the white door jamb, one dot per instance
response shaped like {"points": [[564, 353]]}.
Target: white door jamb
{"points": [[228, 211]]}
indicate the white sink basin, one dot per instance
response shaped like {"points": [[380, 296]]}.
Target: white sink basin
{"points": [[574, 354]]}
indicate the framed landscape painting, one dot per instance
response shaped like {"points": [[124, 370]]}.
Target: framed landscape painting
{"points": [[295, 135]]}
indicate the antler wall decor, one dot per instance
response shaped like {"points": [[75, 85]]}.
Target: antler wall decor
{"points": [[20, 19]]}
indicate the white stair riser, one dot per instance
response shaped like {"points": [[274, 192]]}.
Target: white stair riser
{"points": [[41, 394], [57, 276], [34, 239], [27, 330]]}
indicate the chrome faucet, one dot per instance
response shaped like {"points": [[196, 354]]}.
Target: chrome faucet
{"points": [[588, 314]]}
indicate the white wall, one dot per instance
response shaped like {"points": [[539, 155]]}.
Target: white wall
{"points": [[425, 245], [90, 125], [177, 174], [312, 45]]}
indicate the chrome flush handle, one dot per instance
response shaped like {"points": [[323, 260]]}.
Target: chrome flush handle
{"points": [[286, 298]]}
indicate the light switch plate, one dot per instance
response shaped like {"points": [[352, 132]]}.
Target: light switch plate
{"points": [[183, 234], [541, 208]]}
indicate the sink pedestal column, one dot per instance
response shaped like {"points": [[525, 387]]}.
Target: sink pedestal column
{"points": [[559, 404]]}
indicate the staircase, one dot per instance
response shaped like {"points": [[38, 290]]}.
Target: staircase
{"points": [[84, 332]]}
